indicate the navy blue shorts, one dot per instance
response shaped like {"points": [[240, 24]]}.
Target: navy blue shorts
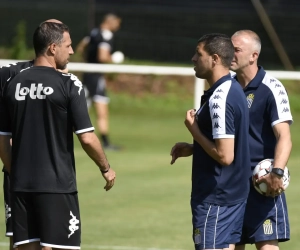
{"points": [[266, 218], [216, 227]]}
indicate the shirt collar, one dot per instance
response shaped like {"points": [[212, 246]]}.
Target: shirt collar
{"points": [[256, 81], [217, 84]]}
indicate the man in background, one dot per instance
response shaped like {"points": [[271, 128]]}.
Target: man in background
{"points": [[98, 48], [221, 160], [7, 72], [266, 218], [40, 108]]}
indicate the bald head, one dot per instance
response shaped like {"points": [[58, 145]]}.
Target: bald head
{"points": [[52, 21], [251, 38]]}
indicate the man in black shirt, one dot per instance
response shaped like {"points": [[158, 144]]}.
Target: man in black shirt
{"points": [[7, 72], [40, 108], [99, 46]]}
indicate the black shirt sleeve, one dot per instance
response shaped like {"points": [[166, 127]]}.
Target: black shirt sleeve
{"points": [[78, 106]]}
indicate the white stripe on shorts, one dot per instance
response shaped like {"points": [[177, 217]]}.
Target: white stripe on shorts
{"points": [[59, 246], [25, 242], [205, 226], [276, 218], [283, 211], [216, 227]]}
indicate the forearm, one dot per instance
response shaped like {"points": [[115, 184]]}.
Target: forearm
{"points": [[209, 147], [282, 152], [94, 150]]}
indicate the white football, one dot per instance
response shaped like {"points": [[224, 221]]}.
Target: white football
{"points": [[263, 168], [117, 57]]}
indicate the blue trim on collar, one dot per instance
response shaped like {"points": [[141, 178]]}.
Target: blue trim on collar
{"points": [[217, 84], [256, 81]]}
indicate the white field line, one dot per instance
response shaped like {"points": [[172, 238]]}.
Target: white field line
{"points": [[110, 247]]}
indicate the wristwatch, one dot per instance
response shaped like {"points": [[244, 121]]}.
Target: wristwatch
{"points": [[278, 171]]}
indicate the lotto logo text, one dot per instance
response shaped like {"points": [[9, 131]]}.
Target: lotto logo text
{"points": [[36, 91]]}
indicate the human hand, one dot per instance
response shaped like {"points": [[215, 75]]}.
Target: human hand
{"points": [[190, 118], [274, 184], [181, 149], [110, 177]]}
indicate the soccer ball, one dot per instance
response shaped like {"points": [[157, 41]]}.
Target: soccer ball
{"points": [[263, 168], [117, 57]]}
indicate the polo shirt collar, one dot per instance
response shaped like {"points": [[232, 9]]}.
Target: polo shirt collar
{"points": [[217, 84], [256, 81]]}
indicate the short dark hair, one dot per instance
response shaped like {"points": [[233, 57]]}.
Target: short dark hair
{"points": [[219, 44], [47, 33]]}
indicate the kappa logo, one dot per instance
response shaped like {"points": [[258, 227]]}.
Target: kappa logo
{"points": [[277, 85], [219, 90], [217, 97], [272, 80], [73, 224], [250, 99], [36, 91], [76, 81], [284, 101], [281, 92], [7, 212], [216, 116], [268, 229], [215, 106], [285, 110], [216, 125]]}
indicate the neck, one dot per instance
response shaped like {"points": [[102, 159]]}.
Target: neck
{"points": [[216, 75], [246, 75], [44, 61]]}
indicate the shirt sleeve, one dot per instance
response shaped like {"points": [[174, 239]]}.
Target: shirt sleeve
{"points": [[278, 105], [78, 107], [221, 113]]}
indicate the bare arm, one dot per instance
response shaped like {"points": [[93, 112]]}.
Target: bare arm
{"points": [[284, 144], [104, 55], [92, 146], [282, 152], [222, 150], [5, 151], [82, 45]]}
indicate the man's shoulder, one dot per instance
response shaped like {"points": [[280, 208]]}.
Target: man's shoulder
{"points": [[72, 80], [10, 70]]}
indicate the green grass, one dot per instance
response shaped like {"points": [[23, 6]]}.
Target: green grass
{"points": [[149, 204]]}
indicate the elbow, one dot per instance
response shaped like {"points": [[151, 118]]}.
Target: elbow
{"points": [[226, 160], [86, 139]]}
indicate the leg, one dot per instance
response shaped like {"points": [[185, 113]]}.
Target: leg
{"points": [[11, 244], [30, 246], [240, 247], [267, 245], [102, 117]]}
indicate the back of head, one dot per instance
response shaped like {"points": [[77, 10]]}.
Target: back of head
{"points": [[219, 44], [46, 34]]}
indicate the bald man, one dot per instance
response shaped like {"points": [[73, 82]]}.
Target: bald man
{"points": [[266, 218]]}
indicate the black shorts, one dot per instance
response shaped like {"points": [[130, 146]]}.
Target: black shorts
{"points": [[52, 219], [95, 87], [7, 204]]}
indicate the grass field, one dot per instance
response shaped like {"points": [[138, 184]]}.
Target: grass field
{"points": [[149, 206]]}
